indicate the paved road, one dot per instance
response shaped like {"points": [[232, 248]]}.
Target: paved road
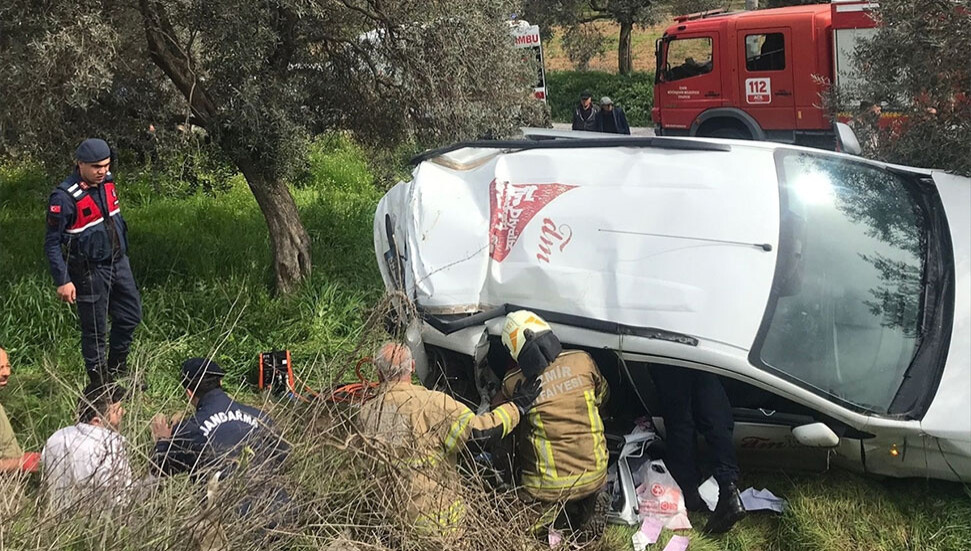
{"points": [[635, 130]]}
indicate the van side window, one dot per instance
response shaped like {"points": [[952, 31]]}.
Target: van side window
{"points": [[765, 52], [688, 57]]}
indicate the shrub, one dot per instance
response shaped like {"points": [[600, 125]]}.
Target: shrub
{"points": [[634, 92]]}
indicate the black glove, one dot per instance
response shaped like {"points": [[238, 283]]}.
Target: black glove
{"points": [[525, 394]]}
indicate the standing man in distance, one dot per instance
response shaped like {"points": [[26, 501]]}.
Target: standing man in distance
{"points": [[585, 114], [612, 118], [86, 245]]}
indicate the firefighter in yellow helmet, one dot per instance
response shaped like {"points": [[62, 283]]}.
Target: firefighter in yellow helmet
{"points": [[424, 430], [562, 449]]}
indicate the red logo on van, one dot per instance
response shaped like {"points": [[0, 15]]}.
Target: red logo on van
{"points": [[511, 207], [551, 238]]}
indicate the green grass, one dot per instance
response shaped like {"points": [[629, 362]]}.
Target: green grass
{"points": [[202, 265]]}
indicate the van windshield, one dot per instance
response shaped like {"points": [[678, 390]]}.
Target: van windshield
{"points": [[846, 321]]}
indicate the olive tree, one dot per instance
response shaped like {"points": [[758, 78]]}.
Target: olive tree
{"points": [[915, 68], [573, 13], [260, 77], [583, 43]]}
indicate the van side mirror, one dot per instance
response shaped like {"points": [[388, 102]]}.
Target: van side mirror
{"points": [[846, 139], [816, 435]]}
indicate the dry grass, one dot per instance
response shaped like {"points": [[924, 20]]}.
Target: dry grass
{"points": [[642, 46], [344, 488]]}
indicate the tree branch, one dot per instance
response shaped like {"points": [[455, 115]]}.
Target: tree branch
{"points": [[591, 19], [166, 53], [285, 26]]}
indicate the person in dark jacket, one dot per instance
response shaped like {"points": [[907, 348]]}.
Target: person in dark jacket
{"points": [[215, 438], [611, 118], [585, 114], [86, 245], [231, 447]]}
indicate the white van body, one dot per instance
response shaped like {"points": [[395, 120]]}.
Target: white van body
{"points": [[833, 284]]}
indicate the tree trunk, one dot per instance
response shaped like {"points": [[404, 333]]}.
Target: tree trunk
{"points": [[288, 238], [625, 63]]}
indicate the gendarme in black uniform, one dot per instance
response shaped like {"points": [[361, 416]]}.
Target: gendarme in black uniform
{"points": [[220, 436], [86, 244], [215, 437]]}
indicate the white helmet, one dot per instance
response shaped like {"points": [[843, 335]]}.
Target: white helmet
{"points": [[516, 323]]}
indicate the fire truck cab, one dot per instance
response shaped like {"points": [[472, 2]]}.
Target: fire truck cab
{"points": [[756, 74]]}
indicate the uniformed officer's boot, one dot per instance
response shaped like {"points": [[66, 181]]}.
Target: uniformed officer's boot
{"points": [[98, 375], [117, 366], [728, 511]]}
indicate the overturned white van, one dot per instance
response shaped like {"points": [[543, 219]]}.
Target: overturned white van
{"points": [[830, 293]]}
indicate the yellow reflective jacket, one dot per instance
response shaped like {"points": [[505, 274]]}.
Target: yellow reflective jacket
{"points": [[563, 452], [425, 430]]}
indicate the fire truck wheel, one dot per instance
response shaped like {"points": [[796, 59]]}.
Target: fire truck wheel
{"points": [[727, 132]]}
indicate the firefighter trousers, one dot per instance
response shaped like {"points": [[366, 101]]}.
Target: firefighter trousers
{"points": [[106, 290], [690, 400]]}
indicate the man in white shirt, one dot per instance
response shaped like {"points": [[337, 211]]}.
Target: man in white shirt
{"points": [[88, 461]]}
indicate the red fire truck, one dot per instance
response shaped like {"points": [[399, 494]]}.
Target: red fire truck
{"points": [[757, 74]]}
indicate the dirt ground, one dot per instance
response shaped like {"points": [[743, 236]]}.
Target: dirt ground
{"points": [[642, 44]]}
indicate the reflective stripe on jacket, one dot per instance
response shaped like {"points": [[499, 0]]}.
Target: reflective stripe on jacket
{"points": [[87, 234], [426, 430], [564, 451]]}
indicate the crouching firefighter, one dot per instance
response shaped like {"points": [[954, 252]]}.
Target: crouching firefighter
{"points": [[562, 451], [86, 245], [423, 431]]}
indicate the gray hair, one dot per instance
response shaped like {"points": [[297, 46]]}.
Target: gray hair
{"points": [[393, 361]]}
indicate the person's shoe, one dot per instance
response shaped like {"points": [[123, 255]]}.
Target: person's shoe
{"points": [[117, 369], [728, 511], [98, 376]]}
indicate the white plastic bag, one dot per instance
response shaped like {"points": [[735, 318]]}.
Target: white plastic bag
{"points": [[660, 497]]}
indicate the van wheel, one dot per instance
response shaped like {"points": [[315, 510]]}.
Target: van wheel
{"points": [[727, 132]]}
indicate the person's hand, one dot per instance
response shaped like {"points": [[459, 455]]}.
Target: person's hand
{"points": [[30, 462], [525, 394], [161, 429], [67, 293]]}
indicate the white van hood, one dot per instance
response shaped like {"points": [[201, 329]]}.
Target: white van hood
{"points": [[670, 239]]}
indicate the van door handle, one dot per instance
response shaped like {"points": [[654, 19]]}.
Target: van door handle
{"points": [[783, 93], [712, 94]]}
